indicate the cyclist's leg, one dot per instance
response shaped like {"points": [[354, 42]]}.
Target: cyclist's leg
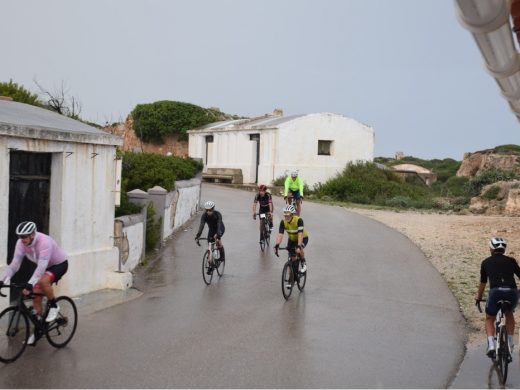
{"points": [[297, 199], [491, 312], [510, 318]]}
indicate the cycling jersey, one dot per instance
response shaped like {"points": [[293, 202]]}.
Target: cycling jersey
{"points": [[215, 224], [43, 251], [500, 269], [293, 227], [293, 185], [263, 201]]}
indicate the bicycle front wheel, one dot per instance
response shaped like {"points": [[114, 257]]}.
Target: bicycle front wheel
{"points": [[207, 269], [14, 333], [302, 277], [287, 280], [62, 329], [267, 233], [221, 264]]}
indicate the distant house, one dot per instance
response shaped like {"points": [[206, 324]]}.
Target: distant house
{"points": [[407, 170], [60, 173], [264, 148]]}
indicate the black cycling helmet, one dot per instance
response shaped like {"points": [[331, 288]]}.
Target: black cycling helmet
{"points": [[25, 228]]}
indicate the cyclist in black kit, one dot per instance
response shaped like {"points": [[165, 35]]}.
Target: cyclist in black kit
{"points": [[216, 227], [265, 201], [501, 271]]}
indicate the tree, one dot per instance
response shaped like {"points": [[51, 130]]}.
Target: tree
{"points": [[19, 93], [60, 102]]}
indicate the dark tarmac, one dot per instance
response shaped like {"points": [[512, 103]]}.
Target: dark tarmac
{"points": [[374, 313]]}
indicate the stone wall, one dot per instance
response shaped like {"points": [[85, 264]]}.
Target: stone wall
{"points": [[131, 142]]}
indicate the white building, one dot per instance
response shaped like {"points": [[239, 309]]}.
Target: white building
{"points": [[61, 173], [318, 145]]}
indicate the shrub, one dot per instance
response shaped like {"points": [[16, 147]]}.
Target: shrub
{"points": [[146, 170], [154, 120], [491, 176], [153, 229], [126, 207], [19, 93], [491, 193]]}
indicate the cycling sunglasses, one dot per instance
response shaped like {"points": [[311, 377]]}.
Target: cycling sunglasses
{"points": [[24, 236]]}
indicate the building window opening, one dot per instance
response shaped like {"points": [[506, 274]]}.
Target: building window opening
{"points": [[324, 148]]}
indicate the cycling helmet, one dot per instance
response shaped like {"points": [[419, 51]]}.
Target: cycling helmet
{"points": [[25, 228], [262, 187], [209, 205], [289, 209], [497, 243], [294, 173]]}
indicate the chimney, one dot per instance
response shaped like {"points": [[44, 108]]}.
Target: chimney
{"points": [[277, 112], [6, 98]]}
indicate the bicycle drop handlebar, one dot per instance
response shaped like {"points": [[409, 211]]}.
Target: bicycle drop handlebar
{"points": [[20, 286]]}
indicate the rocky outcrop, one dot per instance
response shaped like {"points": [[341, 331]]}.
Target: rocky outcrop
{"points": [[506, 201], [172, 144], [475, 163]]}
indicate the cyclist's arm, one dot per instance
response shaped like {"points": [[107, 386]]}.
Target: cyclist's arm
{"points": [[270, 204], [279, 236], [44, 256], [483, 281], [202, 222], [12, 268], [300, 185], [481, 289], [220, 225], [517, 269], [300, 231], [286, 186]]}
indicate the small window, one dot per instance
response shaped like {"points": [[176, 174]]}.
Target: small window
{"points": [[209, 139], [254, 137], [324, 148]]}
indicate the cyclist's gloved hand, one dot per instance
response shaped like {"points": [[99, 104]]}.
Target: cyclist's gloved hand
{"points": [[27, 286], [197, 236]]}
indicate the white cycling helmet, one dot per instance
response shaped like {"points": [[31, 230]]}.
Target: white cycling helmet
{"points": [[289, 209], [294, 173], [209, 205], [25, 228], [497, 243]]}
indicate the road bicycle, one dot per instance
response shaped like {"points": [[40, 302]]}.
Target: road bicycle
{"points": [[265, 232], [292, 273], [502, 356], [15, 324], [211, 261], [291, 201]]}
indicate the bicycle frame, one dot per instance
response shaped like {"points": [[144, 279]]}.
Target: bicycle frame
{"points": [[212, 246], [38, 323]]}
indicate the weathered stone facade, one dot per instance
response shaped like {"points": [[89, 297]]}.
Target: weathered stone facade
{"points": [[131, 142], [475, 163], [507, 201]]}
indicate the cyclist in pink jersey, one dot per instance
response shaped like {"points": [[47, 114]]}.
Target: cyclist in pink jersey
{"points": [[51, 265]]}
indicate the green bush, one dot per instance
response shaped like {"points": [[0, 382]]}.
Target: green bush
{"points": [[153, 229], [364, 182], [19, 93], [126, 207], [155, 120], [491, 176], [507, 149], [453, 187], [146, 170], [491, 193]]}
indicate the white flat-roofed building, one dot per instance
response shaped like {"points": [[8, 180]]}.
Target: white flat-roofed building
{"points": [[265, 148]]}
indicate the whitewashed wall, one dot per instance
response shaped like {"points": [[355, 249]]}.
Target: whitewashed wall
{"points": [[291, 145], [81, 209], [134, 235], [352, 141]]}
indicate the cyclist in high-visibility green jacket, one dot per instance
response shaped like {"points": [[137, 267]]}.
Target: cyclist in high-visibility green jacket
{"points": [[294, 189]]}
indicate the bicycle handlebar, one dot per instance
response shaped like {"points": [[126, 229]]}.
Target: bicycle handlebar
{"points": [[477, 303], [20, 286]]}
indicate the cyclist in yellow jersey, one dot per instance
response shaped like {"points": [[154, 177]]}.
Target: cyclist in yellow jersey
{"points": [[294, 185], [298, 235]]}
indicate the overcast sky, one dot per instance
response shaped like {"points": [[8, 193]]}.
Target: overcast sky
{"points": [[405, 67]]}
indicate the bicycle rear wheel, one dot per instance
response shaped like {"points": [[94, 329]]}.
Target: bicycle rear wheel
{"points": [[287, 280], [207, 269], [62, 329], [302, 276], [262, 235], [14, 333], [267, 234], [503, 354]]}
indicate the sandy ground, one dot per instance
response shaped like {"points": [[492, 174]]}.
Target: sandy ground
{"points": [[456, 245]]}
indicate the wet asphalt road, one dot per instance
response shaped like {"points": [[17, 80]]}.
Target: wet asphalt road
{"points": [[374, 313]]}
